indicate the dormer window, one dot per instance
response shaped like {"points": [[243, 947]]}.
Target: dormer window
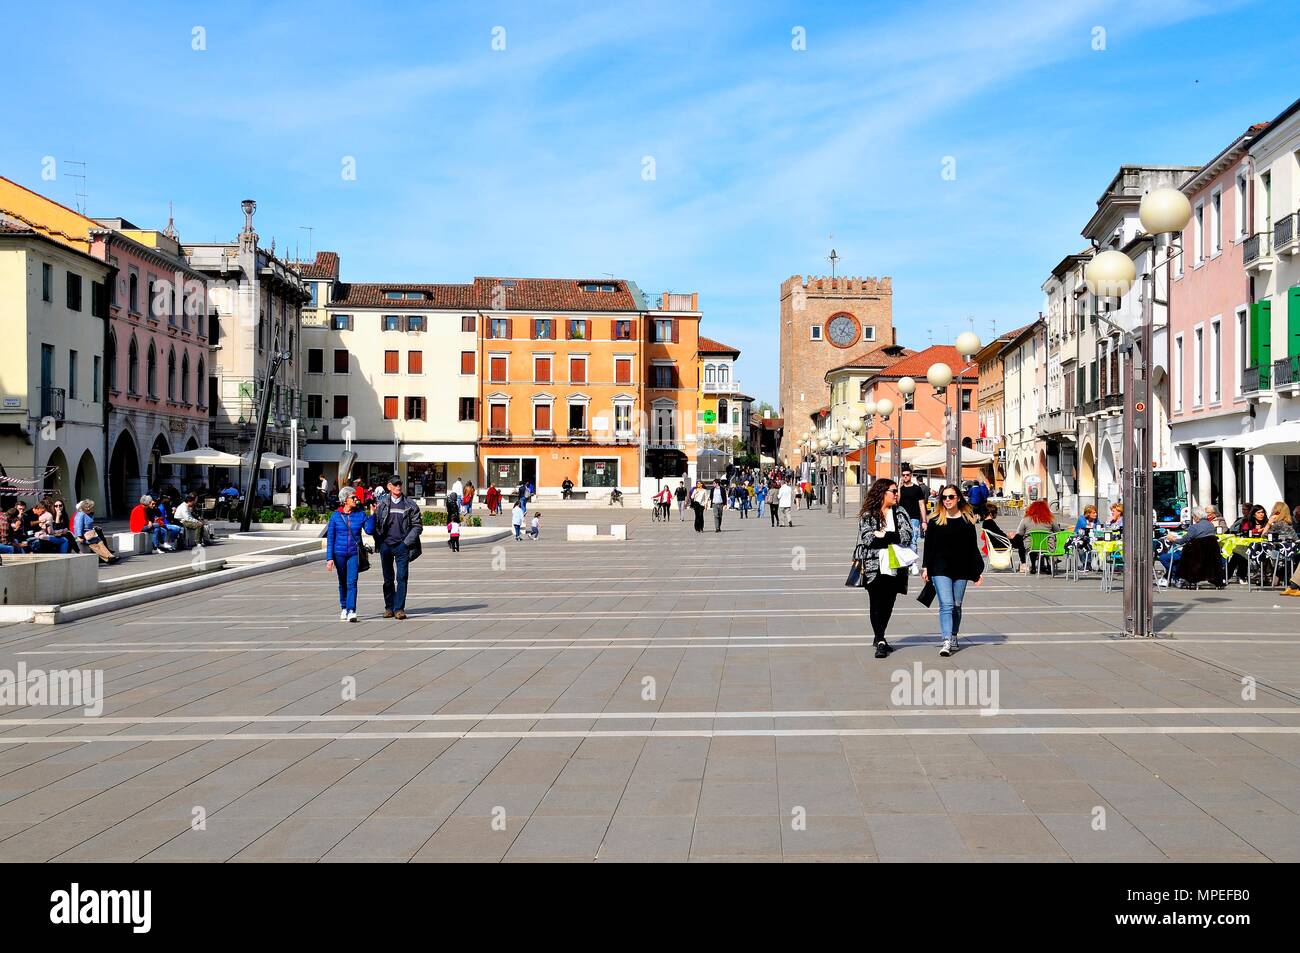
{"points": [[594, 286]]}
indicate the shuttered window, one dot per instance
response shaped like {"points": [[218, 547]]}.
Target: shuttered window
{"points": [[467, 362], [542, 370], [498, 369], [390, 408], [577, 370], [623, 370], [390, 362], [541, 417], [415, 362]]}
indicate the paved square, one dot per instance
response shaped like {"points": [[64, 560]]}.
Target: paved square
{"points": [[675, 697]]}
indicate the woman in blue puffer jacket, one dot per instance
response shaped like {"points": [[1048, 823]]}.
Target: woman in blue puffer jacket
{"points": [[343, 549]]}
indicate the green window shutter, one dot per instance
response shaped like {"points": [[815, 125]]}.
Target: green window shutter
{"points": [[1261, 326], [1293, 321]]}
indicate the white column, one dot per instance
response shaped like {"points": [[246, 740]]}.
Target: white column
{"points": [[1203, 495], [1231, 504]]}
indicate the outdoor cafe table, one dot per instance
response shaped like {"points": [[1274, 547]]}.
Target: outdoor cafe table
{"points": [[1107, 551]]}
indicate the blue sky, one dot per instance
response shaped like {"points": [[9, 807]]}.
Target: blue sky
{"points": [[529, 161]]}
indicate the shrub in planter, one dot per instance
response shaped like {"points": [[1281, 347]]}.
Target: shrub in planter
{"points": [[434, 517], [270, 514], [304, 514]]}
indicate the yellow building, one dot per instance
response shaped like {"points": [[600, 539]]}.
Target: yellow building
{"points": [[724, 408]]}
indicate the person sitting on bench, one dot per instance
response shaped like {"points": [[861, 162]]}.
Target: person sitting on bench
{"points": [[566, 488]]}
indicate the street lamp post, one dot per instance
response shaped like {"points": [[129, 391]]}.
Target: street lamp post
{"points": [[1163, 212], [940, 376]]}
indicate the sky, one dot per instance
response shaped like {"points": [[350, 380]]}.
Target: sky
{"points": [[720, 148]]}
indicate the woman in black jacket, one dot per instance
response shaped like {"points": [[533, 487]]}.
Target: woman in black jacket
{"points": [[952, 559], [882, 522]]}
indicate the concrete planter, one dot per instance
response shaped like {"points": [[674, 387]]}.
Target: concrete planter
{"points": [[47, 578]]}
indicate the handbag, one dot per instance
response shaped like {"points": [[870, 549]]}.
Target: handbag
{"points": [[927, 594], [363, 557], [855, 569]]}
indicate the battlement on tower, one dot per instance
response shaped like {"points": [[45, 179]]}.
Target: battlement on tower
{"points": [[840, 286]]}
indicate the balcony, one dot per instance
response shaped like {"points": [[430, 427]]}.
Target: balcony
{"points": [[52, 402], [722, 387], [1113, 403], [1055, 422], [1254, 380], [580, 435], [1284, 236], [1256, 253], [498, 433], [1286, 372], [1088, 408]]}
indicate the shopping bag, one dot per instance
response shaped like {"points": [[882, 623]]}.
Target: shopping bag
{"points": [[900, 557]]}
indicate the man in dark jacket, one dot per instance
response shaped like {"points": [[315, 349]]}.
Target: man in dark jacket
{"points": [[397, 536]]}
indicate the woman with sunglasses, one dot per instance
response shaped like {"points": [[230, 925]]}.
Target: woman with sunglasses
{"points": [[952, 559], [882, 522]]}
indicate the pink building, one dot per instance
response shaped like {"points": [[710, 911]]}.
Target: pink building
{"points": [[1209, 300], [156, 360]]}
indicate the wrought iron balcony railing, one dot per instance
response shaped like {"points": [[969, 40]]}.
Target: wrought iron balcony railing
{"points": [[1255, 379], [52, 402], [1255, 250], [1284, 234], [1286, 371]]}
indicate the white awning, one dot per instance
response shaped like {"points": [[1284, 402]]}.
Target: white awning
{"points": [[203, 457], [937, 458], [438, 452], [273, 461], [1279, 440]]}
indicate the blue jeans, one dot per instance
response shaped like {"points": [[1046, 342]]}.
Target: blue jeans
{"points": [[518, 527], [158, 534], [174, 533], [347, 570], [916, 532], [760, 508], [393, 559], [55, 544], [6, 549], [950, 592]]}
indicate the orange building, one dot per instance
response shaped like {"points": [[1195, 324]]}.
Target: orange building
{"points": [[576, 380], [922, 414]]}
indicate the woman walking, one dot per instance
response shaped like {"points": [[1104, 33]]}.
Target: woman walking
{"points": [[881, 523], [952, 559], [699, 499], [343, 549]]}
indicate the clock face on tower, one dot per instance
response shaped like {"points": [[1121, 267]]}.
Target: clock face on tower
{"points": [[843, 330]]}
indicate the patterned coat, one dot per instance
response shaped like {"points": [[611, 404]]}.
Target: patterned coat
{"points": [[871, 546]]}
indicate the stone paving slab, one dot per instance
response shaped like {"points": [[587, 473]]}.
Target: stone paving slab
{"points": [[450, 748]]}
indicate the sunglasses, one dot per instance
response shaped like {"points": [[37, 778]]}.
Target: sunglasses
{"points": [[949, 496]]}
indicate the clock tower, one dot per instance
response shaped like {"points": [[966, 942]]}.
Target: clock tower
{"points": [[825, 322]]}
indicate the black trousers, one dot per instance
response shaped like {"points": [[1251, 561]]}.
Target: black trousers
{"points": [[882, 592], [699, 516], [775, 511]]}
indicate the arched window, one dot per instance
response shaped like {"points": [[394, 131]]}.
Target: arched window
{"points": [[724, 372], [185, 378], [200, 386], [110, 361], [133, 367], [171, 374], [710, 373], [151, 372], [133, 296]]}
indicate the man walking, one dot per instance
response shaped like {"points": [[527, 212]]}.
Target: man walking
{"points": [[914, 499], [397, 533], [719, 504], [784, 499]]}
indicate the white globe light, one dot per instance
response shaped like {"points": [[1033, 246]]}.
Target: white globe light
{"points": [[968, 344], [869, 407], [1164, 210], [885, 407], [907, 385], [939, 375], [1110, 274], [855, 426]]}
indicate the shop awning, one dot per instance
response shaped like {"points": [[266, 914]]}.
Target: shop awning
{"points": [[937, 457], [1279, 440], [438, 452], [202, 457], [331, 452]]}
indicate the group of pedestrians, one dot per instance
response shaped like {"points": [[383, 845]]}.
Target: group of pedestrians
{"points": [[888, 536], [394, 522]]}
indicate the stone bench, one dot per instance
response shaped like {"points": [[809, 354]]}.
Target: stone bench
{"points": [[131, 544], [589, 533], [48, 579]]}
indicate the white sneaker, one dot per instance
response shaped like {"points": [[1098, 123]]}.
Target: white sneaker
{"points": [[946, 649], [343, 615], [352, 617]]}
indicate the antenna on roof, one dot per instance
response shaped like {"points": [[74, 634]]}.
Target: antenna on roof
{"points": [[308, 229], [170, 230], [832, 258], [80, 193]]}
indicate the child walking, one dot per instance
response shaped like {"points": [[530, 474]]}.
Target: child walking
{"points": [[453, 536], [535, 529]]}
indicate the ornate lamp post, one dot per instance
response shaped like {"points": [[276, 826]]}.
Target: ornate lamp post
{"points": [[1163, 212], [940, 375]]}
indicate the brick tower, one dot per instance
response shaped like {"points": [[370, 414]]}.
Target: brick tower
{"points": [[825, 322]]}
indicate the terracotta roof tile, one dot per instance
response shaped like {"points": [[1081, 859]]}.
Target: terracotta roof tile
{"points": [[553, 294], [918, 362], [367, 295], [326, 265], [879, 356], [710, 346]]}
